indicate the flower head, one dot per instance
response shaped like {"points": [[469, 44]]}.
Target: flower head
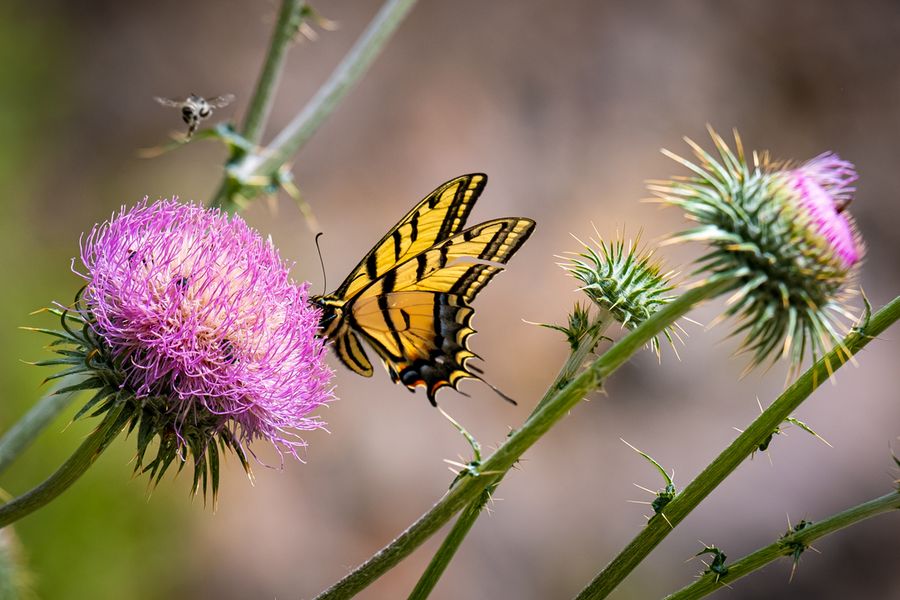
{"points": [[782, 234], [193, 318]]}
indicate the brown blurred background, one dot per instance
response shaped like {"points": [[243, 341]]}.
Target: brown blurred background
{"points": [[565, 105]]}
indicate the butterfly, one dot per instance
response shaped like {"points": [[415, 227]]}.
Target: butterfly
{"points": [[409, 297]]}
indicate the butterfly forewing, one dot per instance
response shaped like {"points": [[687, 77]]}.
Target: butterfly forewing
{"points": [[442, 265], [440, 215]]}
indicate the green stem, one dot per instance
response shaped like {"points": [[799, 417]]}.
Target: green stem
{"points": [[470, 514], [26, 429], [326, 99], [88, 452], [787, 545], [260, 106], [289, 17], [561, 402], [657, 529], [450, 545]]}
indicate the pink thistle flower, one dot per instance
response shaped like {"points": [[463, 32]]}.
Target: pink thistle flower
{"points": [[206, 329]]}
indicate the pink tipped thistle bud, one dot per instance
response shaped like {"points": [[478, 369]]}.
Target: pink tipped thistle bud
{"points": [[782, 234]]}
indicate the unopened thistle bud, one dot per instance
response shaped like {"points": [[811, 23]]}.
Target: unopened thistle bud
{"points": [[190, 320], [782, 233], [625, 281]]}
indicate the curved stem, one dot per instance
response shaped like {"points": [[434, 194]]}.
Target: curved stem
{"points": [[561, 402], [326, 99], [261, 103], [88, 452], [787, 545], [657, 529], [26, 429]]}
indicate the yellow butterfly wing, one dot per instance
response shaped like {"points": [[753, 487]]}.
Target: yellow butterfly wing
{"points": [[438, 216], [417, 315]]}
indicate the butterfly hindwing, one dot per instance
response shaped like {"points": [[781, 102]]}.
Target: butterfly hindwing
{"points": [[421, 336], [409, 298], [350, 351]]}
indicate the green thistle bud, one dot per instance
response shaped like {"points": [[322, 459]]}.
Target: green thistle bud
{"points": [[624, 280], [781, 233], [580, 324]]}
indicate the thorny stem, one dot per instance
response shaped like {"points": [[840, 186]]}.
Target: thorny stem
{"points": [[561, 402], [787, 545], [26, 429], [676, 510], [321, 105], [88, 452], [470, 514]]}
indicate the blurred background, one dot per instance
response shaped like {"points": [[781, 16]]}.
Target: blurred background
{"points": [[565, 105]]}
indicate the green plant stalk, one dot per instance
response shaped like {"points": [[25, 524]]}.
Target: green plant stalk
{"points": [[450, 545], [785, 546], [469, 515], [76, 465], [657, 529], [26, 430], [289, 16], [326, 99], [518, 442]]}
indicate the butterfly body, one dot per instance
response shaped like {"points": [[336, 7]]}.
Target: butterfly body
{"points": [[409, 298]]}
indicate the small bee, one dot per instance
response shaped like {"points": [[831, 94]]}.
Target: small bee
{"points": [[195, 109]]}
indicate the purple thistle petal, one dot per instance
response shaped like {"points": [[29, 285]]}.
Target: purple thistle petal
{"points": [[198, 308], [822, 187]]}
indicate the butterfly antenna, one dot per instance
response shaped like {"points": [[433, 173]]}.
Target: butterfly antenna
{"points": [[499, 393], [322, 262]]}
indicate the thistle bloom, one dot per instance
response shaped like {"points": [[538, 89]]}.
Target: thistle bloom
{"points": [[201, 327], [782, 234]]}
